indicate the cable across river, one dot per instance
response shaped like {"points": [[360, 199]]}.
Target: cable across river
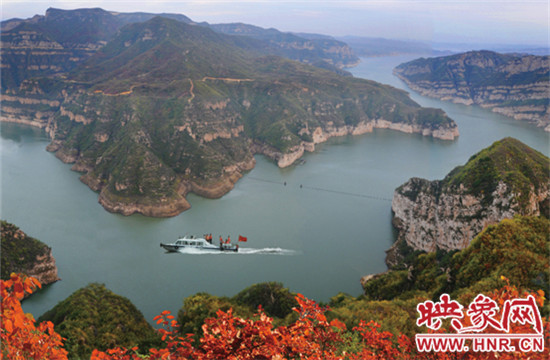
{"points": [[302, 186]]}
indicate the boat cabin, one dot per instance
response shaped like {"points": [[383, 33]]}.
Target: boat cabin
{"points": [[191, 242]]}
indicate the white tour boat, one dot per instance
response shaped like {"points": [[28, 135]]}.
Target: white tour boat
{"points": [[191, 242]]}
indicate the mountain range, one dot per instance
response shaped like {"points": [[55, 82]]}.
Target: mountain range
{"points": [[152, 110], [62, 39]]}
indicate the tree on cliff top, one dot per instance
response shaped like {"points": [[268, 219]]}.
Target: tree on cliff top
{"points": [[19, 251]]}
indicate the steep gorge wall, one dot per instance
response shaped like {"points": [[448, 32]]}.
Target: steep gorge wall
{"points": [[447, 214], [429, 218]]}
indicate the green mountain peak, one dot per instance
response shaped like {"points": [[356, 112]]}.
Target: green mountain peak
{"points": [[508, 160], [167, 107]]}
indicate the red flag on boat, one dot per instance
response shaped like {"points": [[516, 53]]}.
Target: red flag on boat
{"points": [[242, 238]]}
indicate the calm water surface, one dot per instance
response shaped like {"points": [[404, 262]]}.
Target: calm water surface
{"points": [[317, 235]]}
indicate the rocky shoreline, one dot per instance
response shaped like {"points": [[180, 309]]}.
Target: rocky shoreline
{"points": [[320, 136], [172, 207], [521, 113], [45, 269], [168, 207], [512, 85]]}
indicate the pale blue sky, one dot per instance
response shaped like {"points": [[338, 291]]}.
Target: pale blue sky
{"points": [[468, 21]]}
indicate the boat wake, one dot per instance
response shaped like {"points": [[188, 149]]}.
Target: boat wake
{"points": [[242, 251], [271, 251]]}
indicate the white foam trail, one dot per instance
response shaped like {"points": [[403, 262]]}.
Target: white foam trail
{"points": [[274, 251], [242, 251]]}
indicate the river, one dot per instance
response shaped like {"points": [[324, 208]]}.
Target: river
{"points": [[318, 234]]}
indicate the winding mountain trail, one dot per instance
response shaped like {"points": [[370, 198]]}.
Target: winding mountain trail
{"points": [[225, 79], [128, 92], [191, 91]]}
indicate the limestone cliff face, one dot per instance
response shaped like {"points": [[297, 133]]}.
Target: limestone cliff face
{"points": [[44, 269], [24, 254], [320, 135], [447, 214], [515, 86], [166, 206], [448, 220]]}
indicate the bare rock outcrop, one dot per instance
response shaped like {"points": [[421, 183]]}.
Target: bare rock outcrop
{"points": [[499, 182]]}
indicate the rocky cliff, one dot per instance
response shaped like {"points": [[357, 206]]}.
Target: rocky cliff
{"points": [[24, 254], [517, 86], [506, 179]]}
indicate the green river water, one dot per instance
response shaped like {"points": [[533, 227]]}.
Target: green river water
{"points": [[329, 225]]}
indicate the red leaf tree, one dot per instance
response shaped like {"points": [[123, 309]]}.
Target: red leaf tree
{"points": [[20, 337]]}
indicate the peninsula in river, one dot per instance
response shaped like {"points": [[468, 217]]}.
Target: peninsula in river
{"points": [[515, 85], [165, 107]]}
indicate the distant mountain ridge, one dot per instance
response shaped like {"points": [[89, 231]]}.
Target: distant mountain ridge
{"points": [[511, 84], [373, 47], [166, 108], [61, 40], [308, 48]]}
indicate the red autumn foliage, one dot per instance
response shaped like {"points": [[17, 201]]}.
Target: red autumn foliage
{"points": [[20, 337], [229, 337]]}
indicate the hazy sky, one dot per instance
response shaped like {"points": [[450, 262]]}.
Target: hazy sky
{"points": [[468, 21]]}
